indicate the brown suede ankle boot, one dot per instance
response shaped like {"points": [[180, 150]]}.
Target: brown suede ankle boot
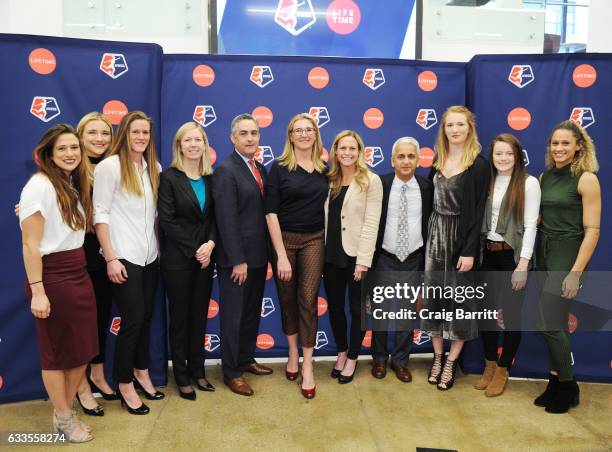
{"points": [[498, 383], [487, 375]]}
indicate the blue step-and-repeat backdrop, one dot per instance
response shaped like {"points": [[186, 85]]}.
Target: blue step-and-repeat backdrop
{"points": [[54, 80]]}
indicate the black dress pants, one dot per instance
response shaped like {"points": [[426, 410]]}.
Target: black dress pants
{"points": [[400, 353], [240, 308], [499, 266], [134, 299], [188, 299], [336, 281]]}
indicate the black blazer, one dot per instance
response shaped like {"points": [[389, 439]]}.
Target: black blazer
{"points": [[426, 187], [185, 226], [475, 189], [239, 211]]}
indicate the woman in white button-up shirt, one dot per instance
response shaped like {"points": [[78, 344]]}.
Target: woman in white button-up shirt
{"points": [[125, 196]]}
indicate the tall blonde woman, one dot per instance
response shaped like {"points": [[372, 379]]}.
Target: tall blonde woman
{"points": [[54, 213], [96, 134], [125, 198], [461, 179], [187, 219], [569, 230], [352, 215], [294, 196]]}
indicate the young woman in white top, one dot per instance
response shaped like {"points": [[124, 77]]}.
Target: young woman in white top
{"points": [[54, 213], [509, 232], [125, 197]]}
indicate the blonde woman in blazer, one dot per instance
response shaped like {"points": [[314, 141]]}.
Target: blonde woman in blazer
{"points": [[352, 214]]}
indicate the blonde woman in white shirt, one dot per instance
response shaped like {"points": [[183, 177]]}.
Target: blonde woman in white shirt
{"points": [[125, 197], [509, 232], [54, 213]]}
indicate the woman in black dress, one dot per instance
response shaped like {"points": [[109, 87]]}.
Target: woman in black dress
{"points": [[460, 176]]}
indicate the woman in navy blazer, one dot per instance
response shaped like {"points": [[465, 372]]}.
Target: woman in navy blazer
{"points": [[186, 215]]}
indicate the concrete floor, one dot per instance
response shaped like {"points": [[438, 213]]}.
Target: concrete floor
{"points": [[367, 414]]}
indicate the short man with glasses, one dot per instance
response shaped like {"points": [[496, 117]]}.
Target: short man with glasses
{"points": [[243, 252], [402, 233]]}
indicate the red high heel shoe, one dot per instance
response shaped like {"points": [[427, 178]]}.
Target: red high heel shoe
{"points": [[309, 393], [291, 376]]}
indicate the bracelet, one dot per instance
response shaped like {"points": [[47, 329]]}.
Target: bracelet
{"points": [[110, 260], [35, 282]]}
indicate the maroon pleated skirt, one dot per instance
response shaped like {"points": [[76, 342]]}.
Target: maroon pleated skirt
{"points": [[68, 338]]}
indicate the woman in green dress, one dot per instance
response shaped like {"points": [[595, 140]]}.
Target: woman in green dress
{"points": [[569, 230]]}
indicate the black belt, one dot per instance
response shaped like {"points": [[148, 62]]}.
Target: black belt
{"points": [[384, 252]]}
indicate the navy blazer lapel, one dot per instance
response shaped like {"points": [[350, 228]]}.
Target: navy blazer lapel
{"points": [[245, 170]]}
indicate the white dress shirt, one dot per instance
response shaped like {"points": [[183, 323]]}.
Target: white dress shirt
{"points": [[415, 212], [130, 218], [39, 195], [531, 211]]}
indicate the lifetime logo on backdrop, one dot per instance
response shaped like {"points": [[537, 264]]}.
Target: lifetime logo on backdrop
{"points": [[45, 108], [204, 115], [211, 342], [321, 340], [583, 116], [320, 114], [521, 75], [426, 118], [264, 155], [261, 76], [295, 16], [374, 78], [267, 307], [373, 155], [113, 64]]}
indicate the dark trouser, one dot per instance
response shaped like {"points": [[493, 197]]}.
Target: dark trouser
{"points": [[400, 354], [188, 296], [555, 257], [240, 315], [336, 280], [134, 299], [499, 266], [298, 296], [104, 303]]}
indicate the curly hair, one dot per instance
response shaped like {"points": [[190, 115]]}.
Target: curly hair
{"points": [[585, 158]]}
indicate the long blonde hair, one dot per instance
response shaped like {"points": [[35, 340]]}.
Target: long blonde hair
{"points": [[204, 166], [471, 148], [130, 181], [69, 190], [585, 158], [288, 158], [362, 170], [94, 116]]}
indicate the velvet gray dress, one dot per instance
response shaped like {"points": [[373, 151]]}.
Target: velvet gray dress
{"points": [[440, 260]]}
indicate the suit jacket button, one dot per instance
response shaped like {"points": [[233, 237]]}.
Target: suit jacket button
{"points": [[344, 229], [343, 217]]}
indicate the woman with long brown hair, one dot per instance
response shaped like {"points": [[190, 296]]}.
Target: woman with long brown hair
{"points": [[54, 213], [352, 215], [294, 196], [460, 176], [125, 198], [569, 230], [509, 230]]}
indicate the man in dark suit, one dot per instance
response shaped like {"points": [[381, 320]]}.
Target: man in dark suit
{"points": [[402, 234], [242, 253]]}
